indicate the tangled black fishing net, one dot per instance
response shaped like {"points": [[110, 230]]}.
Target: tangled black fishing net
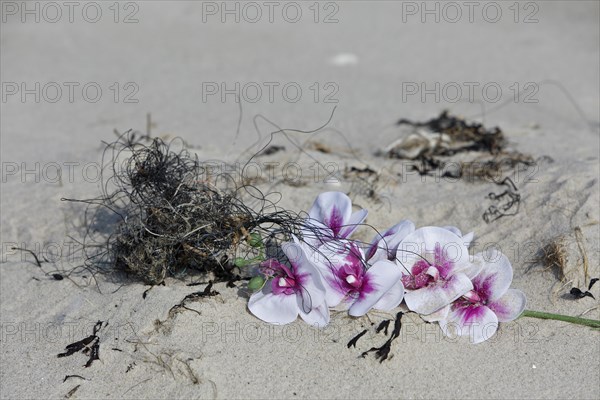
{"points": [[174, 215]]}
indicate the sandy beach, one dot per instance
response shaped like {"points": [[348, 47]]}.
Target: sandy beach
{"points": [[348, 71]]}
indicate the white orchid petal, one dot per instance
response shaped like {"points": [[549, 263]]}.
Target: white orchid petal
{"points": [[353, 223], [392, 298], [474, 267], [454, 230], [333, 291], [468, 238], [431, 298], [380, 278], [313, 290], [315, 233], [495, 277], [271, 308], [478, 322], [439, 315], [509, 306], [386, 243], [333, 209], [317, 317]]}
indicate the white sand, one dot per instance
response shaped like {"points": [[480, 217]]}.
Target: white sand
{"points": [[226, 352]]}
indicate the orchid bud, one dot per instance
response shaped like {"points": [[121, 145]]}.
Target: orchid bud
{"points": [[255, 240], [256, 283], [241, 262]]}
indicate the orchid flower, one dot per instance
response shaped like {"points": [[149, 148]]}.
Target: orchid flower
{"points": [[436, 270], [330, 218], [478, 312], [385, 245], [348, 280], [292, 290]]}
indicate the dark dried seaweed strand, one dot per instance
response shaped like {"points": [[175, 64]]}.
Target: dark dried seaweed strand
{"points": [[73, 376], [147, 290], [72, 392], [37, 260], [78, 346], [352, 342], [233, 280], [397, 325], [272, 150], [207, 292], [494, 212], [382, 353], [383, 325], [94, 353], [97, 327], [89, 346], [578, 294]]}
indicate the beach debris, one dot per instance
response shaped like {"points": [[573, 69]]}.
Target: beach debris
{"points": [[383, 326], [508, 202], [580, 294], [72, 392], [271, 150], [352, 342], [89, 346], [192, 297], [35, 257], [39, 260], [567, 257], [320, 147], [382, 352], [130, 367], [152, 286], [448, 147], [163, 212], [445, 135], [73, 376]]}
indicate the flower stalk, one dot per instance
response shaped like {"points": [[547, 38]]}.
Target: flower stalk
{"points": [[594, 323]]}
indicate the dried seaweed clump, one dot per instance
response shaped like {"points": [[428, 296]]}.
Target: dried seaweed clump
{"points": [[450, 136], [567, 257], [173, 217], [554, 256], [480, 152]]}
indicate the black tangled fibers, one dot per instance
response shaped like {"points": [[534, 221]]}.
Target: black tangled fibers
{"points": [[173, 216]]}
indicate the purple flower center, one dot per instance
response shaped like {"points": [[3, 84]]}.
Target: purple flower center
{"points": [[336, 221], [284, 285], [471, 300], [285, 281], [424, 274], [349, 276], [419, 277]]}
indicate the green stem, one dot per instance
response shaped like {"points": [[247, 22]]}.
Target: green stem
{"points": [[594, 323]]}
